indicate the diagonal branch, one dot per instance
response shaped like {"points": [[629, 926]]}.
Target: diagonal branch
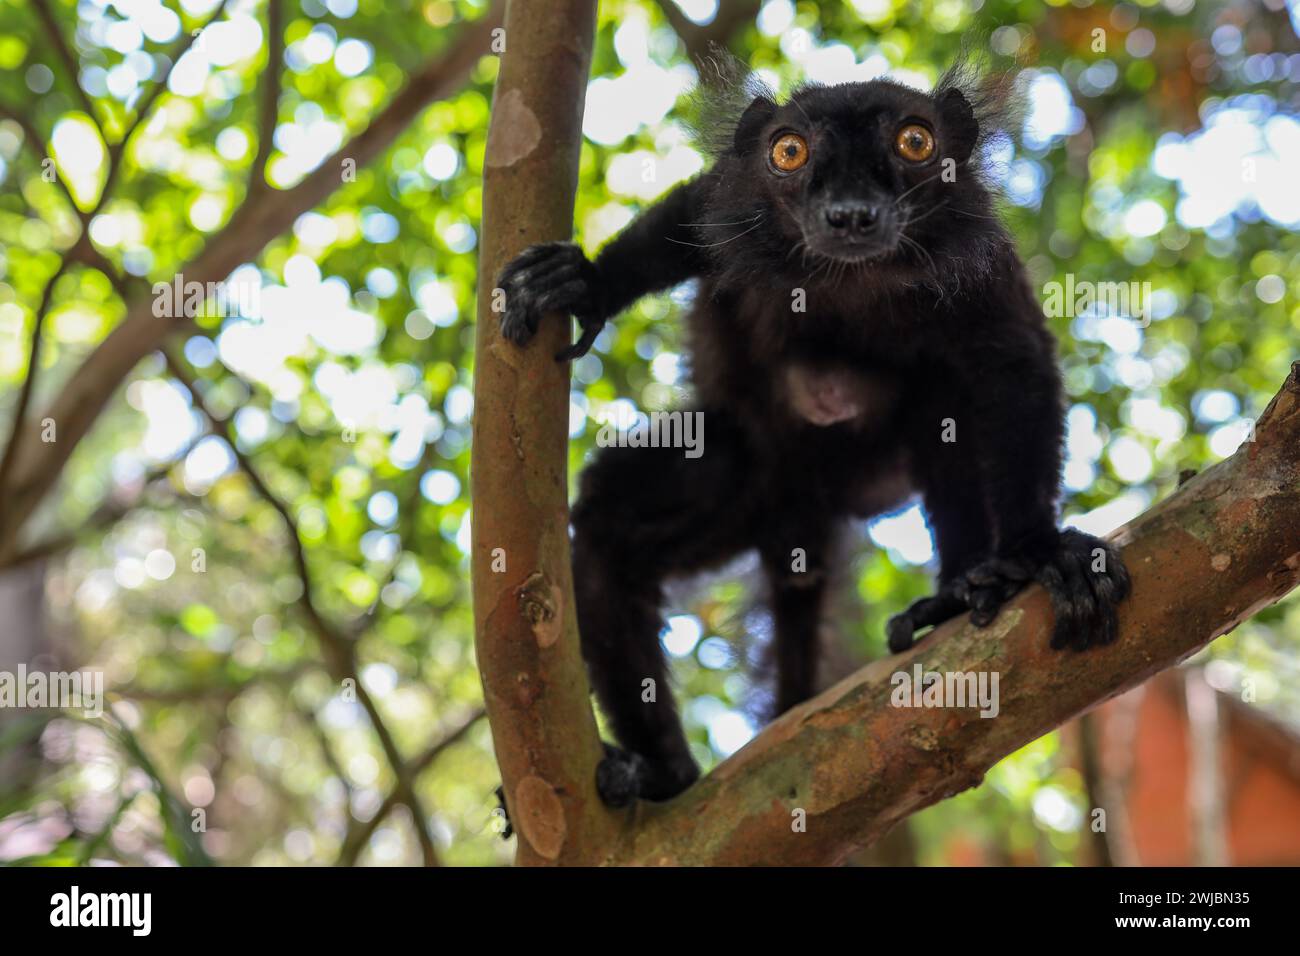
{"points": [[65, 55], [83, 249], [221, 426], [699, 39], [35, 142], [181, 47], [355, 842], [1220, 549], [447, 739], [339, 650], [19, 425], [76, 409], [38, 146], [410, 512], [270, 93], [142, 113]]}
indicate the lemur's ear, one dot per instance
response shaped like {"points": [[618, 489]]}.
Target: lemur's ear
{"points": [[752, 121], [960, 128]]}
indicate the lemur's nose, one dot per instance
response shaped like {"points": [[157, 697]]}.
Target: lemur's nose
{"points": [[853, 217]]}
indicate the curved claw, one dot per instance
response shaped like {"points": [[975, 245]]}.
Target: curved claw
{"points": [[927, 612], [590, 329], [551, 277]]}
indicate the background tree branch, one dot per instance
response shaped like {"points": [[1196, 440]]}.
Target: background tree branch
{"points": [[358, 837], [1220, 549], [72, 69], [699, 38], [270, 95], [117, 149], [338, 647], [37, 341], [35, 468]]}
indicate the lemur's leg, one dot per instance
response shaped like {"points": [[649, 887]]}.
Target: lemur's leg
{"points": [[946, 472], [796, 562], [645, 515], [1007, 416]]}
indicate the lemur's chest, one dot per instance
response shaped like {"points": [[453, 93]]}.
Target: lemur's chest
{"points": [[826, 392], [798, 362]]}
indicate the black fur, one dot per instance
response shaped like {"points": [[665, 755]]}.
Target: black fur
{"points": [[918, 319]]}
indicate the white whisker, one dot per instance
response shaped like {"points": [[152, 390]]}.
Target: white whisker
{"points": [[710, 245], [738, 222]]}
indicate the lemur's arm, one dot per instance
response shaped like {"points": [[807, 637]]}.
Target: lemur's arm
{"points": [[993, 493], [1017, 415], [657, 251]]}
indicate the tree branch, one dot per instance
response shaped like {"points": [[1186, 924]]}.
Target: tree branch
{"points": [[221, 426], [1220, 549], [526, 637], [700, 38], [355, 842], [83, 249], [118, 148], [35, 142], [338, 648], [110, 510], [76, 409], [19, 423], [270, 97], [65, 55]]}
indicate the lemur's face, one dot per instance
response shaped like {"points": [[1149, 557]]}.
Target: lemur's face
{"points": [[859, 171]]}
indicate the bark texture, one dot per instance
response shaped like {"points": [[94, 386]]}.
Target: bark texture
{"points": [[534, 682]]}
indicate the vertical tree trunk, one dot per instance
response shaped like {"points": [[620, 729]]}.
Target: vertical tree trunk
{"points": [[526, 634]]}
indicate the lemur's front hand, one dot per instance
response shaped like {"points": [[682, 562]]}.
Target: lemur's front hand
{"points": [[1084, 576], [552, 277]]}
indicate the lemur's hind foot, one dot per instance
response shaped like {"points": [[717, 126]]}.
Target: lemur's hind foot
{"points": [[622, 777]]}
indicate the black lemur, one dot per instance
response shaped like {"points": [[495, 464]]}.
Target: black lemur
{"points": [[863, 330]]}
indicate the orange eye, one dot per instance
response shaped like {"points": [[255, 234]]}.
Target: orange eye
{"points": [[915, 143], [789, 152]]}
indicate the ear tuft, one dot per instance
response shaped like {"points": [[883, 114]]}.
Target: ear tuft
{"points": [[729, 105], [976, 103]]}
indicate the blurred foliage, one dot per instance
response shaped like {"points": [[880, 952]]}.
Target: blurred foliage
{"points": [[188, 602]]}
